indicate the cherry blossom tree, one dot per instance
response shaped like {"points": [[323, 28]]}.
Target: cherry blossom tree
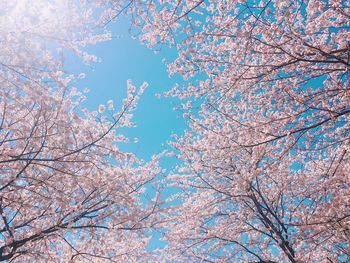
{"points": [[265, 174], [67, 192]]}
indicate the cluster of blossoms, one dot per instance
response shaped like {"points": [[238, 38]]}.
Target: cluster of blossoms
{"points": [[265, 174], [67, 192]]}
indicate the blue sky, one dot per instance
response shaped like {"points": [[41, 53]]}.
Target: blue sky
{"points": [[125, 58]]}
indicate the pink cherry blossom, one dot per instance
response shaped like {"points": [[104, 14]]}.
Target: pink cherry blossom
{"points": [[67, 192], [266, 157]]}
